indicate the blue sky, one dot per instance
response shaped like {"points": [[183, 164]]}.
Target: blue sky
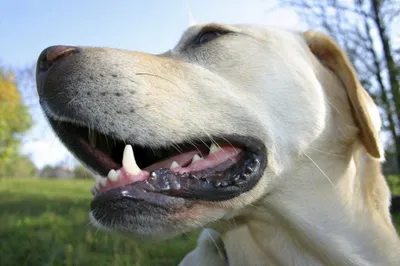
{"points": [[153, 26]]}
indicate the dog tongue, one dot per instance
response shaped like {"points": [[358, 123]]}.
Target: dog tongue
{"points": [[182, 159], [181, 163]]}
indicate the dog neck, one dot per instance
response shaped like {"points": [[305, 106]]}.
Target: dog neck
{"points": [[341, 217]]}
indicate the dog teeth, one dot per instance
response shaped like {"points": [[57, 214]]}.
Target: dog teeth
{"points": [[97, 177], [92, 137], [214, 148], [196, 157], [129, 162], [103, 181], [174, 164], [112, 175]]}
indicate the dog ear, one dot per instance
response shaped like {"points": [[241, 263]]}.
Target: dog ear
{"points": [[364, 110]]}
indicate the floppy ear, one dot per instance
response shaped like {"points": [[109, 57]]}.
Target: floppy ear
{"points": [[365, 111]]}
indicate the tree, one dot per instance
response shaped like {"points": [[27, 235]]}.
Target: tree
{"points": [[58, 171], [366, 30], [14, 120], [21, 166], [47, 172], [80, 172]]}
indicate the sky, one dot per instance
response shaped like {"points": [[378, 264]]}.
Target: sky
{"points": [[152, 26]]}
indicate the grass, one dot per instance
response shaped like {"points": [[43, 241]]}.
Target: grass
{"points": [[45, 222]]}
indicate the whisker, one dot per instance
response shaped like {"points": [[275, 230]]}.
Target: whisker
{"points": [[195, 146], [176, 147], [208, 147], [157, 76], [319, 168], [215, 243], [328, 153]]}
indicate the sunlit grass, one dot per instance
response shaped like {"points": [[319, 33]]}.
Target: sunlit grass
{"points": [[45, 222]]}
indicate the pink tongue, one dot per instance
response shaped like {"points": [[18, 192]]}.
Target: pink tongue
{"points": [[183, 159]]}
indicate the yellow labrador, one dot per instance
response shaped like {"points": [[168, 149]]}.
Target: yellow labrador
{"points": [[264, 135]]}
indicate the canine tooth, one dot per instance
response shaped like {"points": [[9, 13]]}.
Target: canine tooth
{"points": [[128, 161], [112, 175], [214, 148], [196, 157], [174, 164], [103, 181]]}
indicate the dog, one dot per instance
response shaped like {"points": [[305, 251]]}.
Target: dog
{"points": [[265, 136]]}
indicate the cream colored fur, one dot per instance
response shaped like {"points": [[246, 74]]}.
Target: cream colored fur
{"points": [[331, 208], [322, 199]]}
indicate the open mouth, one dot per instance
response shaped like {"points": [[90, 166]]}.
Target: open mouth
{"points": [[197, 169]]}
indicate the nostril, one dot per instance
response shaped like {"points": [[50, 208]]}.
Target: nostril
{"points": [[52, 54], [44, 64], [56, 52]]}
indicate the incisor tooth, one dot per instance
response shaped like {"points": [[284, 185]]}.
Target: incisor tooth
{"points": [[214, 148], [196, 157], [103, 181], [128, 161], [112, 175], [174, 164]]}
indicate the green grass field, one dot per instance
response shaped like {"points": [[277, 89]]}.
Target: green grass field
{"points": [[45, 222]]}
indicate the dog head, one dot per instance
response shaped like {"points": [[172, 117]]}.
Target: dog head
{"points": [[203, 131]]}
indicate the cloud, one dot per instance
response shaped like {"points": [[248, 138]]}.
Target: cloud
{"points": [[47, 152]]}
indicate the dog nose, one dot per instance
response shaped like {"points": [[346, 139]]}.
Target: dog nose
{"points": [[53, 54], [48, 58]]}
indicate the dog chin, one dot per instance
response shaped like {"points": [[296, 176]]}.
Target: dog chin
{"points": [[150, 222]]}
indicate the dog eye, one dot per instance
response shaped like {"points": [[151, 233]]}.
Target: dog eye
{"points": [[207, 36]]}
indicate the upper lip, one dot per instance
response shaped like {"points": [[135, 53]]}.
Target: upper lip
{"points": [[91, 147]]}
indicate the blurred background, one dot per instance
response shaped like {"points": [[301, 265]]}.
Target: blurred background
{"points": [[44, 191]]}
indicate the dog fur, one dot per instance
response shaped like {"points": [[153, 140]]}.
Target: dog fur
{"points": [[322, 199]]}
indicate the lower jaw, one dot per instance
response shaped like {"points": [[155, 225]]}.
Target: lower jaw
{"points": [[165, 188]]}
